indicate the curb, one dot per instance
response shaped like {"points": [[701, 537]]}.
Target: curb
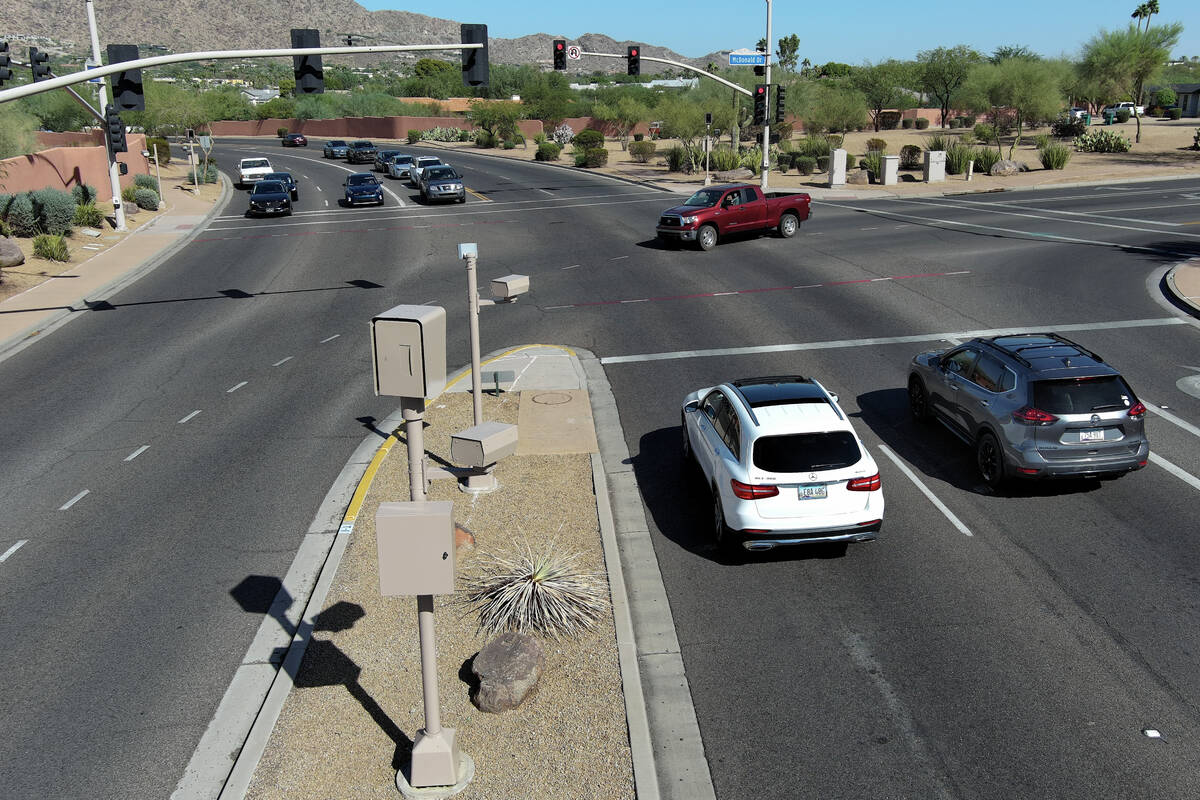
{"points": [[1188, 303]]}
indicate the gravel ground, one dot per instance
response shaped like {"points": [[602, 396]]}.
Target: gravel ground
{"points": [[357, 701]]}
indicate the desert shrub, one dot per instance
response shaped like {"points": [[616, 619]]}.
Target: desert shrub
{"points": [[21, 217], [823, 163], [591, 157], [641, 150], [815, 146], [1165, 97], [906, 123], [485, 140], [145, 182], [5, 231], [1055, 156], [1123, 115], [159, 145], [281, 132], [509, 144], [751, 158], [876, 144], [723, 159], [937, 141], [1041, 141], [52, 247], [958, 155], [873, 163], [1174, 113], [889, 120], [54, 209], [804, 164], [539, 138], [782, 162], [587, 139], [910, 157], [954, 122], [81, 193], [1154, 111], [207, 174], [984, 132], [921, 123], [127, 194], [414, 136], [146, 198], [985, 159], [969, 121], [563, 134], [87, 216], [677, 160], [1065, 128], [850, 161], [835, 140], [1102, 141], [548, 151], [5, 200], [637, 137]]}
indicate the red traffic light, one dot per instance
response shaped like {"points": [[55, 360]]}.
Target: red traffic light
{"points": [[760, 90], [633, 51], [558, 45]]}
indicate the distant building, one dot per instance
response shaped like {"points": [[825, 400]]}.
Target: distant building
{"points": [[674, 83], [1188, 98], [259, 96]]}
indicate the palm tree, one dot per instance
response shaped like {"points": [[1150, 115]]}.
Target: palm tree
{"points": [[1140, 13]]}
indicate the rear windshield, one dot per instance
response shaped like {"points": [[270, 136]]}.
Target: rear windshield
{"points": [[1083, 395], [267, 187], [803, 452], [255, 162]]}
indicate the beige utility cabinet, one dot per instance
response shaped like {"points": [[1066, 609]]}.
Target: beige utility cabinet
{"points": [[416, 548], [408, 344]]}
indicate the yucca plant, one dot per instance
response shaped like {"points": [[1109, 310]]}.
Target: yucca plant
{"points": [[937, 141], [530, 591], [722, 159], [957, 158], [1055, 156], [985, 159], [51, 246], [1041, 141], [873, 163], [88, 216]]}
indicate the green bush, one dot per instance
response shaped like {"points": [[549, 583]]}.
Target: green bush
{"points": [[1042, 141], [984, 132], [538, 138], [1065, 128], [804, 164], [641, 150], [509, 144], [822, 163], [145, 182], [723, 159], [751, 158], [52, 247], [595, 157], [637, 137], [281, 132], [5, 200], [911, 157], [1055, 156], [485, 140], [958, 155], [850, 161], [873, 163], [1165, 97], [954, 122], [921, 123], [207, 175], [127, 194], [1102, 141], [985, 159], [54, 209], [937, 141], [159, 145], [587, 139], [81, 193], [815, 146], [906, 123], [835, 140], [876, 144], [414, 136], [1174, 113], [1123, 115], [548, 151], [21, 217], [146, 198], [88, 216], [677, 160], [889, 120]]}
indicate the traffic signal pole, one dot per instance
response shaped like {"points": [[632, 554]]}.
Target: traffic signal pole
{"points": [[766, 140], [114, 174]]}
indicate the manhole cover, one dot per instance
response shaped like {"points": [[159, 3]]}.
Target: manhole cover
{"points": [[552, 398]]}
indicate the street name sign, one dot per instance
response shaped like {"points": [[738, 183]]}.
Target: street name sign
{"points": [[747, 58]]}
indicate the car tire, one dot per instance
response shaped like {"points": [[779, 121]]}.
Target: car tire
{"points": [[788, 225], [707, 237], [918, 400], [989, 458], [462, 199], [295, 195]]}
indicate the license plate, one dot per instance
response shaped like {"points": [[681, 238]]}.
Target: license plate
{"points": [[1091, 436], [811, 491]]}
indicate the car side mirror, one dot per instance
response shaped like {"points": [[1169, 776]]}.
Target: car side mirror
{"points": [[834, 396], [692, 406]]}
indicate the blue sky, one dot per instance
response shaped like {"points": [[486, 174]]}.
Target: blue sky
{"points": [[872, 30]]}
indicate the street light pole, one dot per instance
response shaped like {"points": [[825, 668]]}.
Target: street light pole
{"points": [[766, 140], [473, 313], [114, 175]]}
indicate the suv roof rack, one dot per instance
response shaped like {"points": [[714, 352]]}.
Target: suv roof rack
{"points": [[1020, 350]]}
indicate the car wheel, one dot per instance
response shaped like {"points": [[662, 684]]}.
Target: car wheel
{"points": [[918, 399], [295, 195], [688, 456], [788, 225], [462, 199], [707, 238], [990, 459], [720, 528]]}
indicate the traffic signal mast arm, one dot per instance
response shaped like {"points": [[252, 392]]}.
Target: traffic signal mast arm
{"points": [[78, 98], [644, 57], [18, 92]]}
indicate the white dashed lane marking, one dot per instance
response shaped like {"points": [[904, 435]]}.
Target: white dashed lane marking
{"points": [[13, 549], [188, 417], [74, 500]]}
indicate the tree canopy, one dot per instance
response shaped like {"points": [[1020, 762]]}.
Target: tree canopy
{"points": [[1124, 61]]}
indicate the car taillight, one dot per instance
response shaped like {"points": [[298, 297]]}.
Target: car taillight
{"points": [[747, 491], [871, 484], [1033, 416], [1138, 410]]}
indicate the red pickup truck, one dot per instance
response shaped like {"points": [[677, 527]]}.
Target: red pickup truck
{"points": [[717, 211]]}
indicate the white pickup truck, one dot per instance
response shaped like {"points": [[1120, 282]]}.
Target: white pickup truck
{"points": [[1132, 108], [252, 170]]}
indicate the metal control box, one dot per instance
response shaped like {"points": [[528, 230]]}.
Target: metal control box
{"points": [[483, 444], [416, 548], [408, 345], [510, 286]]}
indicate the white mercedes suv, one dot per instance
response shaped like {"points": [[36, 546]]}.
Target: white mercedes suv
{"points": [[782, 463]]}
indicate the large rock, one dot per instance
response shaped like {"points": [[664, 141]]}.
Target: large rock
{"points": [[10, 253], [508, 667], [1004, 168], [858, 176]]}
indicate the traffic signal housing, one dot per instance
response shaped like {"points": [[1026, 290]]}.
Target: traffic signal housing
{"points": [[5, 63], [560, 53], [760, 104], [475, 60], [634, 54], [115, 130], [780, 94], [310, 76], [37, 62], [127, 85]]}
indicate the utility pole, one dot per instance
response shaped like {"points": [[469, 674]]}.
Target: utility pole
{"points": [[114, 175], [766, 140]]}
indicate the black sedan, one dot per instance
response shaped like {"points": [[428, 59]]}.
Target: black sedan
{"points": [[269, 197], [363, 187], [295, 140], [287, 180]]}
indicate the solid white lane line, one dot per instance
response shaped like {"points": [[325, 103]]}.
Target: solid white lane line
{"points": [[74, 500], [137, 452], [1169, 417], [13, 549], [233, 389], [282, 361], [912, 476], [330, 339], [618, 258], [189, 416], [1183, 475], [1041, 216], [573, 266]]}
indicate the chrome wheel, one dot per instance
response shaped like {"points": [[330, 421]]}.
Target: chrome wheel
{"points": [[788, 225], [708, 237]]}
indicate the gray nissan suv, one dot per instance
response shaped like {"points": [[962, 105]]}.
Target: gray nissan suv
{"points": [[1033, 405]]}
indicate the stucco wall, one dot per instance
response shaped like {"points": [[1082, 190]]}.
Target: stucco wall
{"points": [[355, 127], [64, 167]]}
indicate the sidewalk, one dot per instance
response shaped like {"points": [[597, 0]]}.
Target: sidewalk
{"points": [[1183, 281]]}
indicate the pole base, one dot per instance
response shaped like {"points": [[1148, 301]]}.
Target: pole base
{"points": [[437, 769], [479, 482]]}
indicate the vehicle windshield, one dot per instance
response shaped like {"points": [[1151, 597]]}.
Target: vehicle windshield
{"points": [[255, 162], [402, 160], [442, 172], [428, 161], [361, 180], [806, 452], [282, 177], [267, 187], [1083, 395], [337, 143], [362, 144], [705, 198]]}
